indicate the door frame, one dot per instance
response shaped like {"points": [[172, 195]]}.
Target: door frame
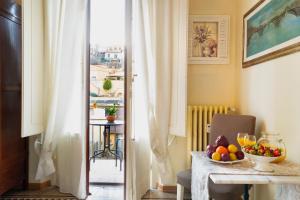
{"points": [[87, 135], [128, 84], [127, 87]]}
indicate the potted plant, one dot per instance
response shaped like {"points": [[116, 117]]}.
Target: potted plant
{"points": [[107, 84], [111, 113]]}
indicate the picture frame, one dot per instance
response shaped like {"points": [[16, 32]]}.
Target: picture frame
{"points": [[270, 30], [208, 39]]}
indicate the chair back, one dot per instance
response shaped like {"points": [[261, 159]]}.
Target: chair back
{"points": [[230, 126]]}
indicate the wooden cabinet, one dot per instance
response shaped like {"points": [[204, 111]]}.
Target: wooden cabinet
{"points": [[13, 149]]}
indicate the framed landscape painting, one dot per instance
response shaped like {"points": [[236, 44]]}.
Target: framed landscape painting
{"points": [[271, 30], [208, 39]]}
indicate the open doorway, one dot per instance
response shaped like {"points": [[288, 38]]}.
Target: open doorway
{"points": [[107, 99]]}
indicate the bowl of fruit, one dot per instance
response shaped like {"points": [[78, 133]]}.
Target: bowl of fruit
{"points": [[262, 155], [223, 152]]}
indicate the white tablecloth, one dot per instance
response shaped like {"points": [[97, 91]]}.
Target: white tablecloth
{"points": [[202, 167]]}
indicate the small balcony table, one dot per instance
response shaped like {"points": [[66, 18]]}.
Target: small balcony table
{"points": [[106, 137]]}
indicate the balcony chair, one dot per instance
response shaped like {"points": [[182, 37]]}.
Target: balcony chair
{"points": [[119, 149], [118, 131]]}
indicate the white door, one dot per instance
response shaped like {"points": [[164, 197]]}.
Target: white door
{"points": [[138, 165], [138, 149], [141, 136]]}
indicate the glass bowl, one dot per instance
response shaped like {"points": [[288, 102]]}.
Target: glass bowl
{"points": [[261, 162], [269, 148], [273, 140]]}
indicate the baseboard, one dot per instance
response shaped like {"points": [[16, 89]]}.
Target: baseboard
{"points": [[39, 186], [166, 188]]}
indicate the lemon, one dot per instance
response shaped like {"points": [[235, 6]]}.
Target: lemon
{"points": [[216, 156], [232, 156], [232, 148]]}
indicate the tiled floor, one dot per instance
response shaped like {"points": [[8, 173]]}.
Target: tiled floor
{"points": [[47, 193], [155, 194], [110, 192], [105, 171], [100, 192], [106, 192]]}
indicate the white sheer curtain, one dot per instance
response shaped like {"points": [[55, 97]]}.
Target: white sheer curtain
{"points": [[160, 59], [63, 150]]}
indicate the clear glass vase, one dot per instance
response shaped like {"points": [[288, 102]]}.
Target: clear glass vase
{"points": [[273, 140]]}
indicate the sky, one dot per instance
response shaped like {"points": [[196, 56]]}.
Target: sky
{"points": [[107, 22]]}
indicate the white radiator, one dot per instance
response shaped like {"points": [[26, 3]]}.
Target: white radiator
{"points": [[198, 119]]}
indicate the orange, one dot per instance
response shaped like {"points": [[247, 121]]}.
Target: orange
{"points": [[222, 150]]}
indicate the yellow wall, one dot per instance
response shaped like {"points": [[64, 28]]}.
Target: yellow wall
{"points": [[269, 91], [209, 84]]}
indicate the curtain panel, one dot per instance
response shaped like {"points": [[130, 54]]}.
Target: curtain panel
{"points": [[63, 150], [160, 60]]}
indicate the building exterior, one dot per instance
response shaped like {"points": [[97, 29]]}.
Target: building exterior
{"points": [[107, 63]]}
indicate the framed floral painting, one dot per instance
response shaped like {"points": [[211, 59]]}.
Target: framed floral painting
{"points": [[208, 39]]}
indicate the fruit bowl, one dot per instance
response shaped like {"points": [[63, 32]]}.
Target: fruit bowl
{"points": [[226, 162], [224, 152], [262, 154], [262, 163]]}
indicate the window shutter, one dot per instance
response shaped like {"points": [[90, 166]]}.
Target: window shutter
{"points": [[32, 67]]}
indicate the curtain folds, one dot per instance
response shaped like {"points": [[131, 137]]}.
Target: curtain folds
{"points": [[160, 59], [63, 150]]}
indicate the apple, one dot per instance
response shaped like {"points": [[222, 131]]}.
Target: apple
{"points": [[211, 147]]}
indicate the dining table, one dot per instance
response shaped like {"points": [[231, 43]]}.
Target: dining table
{"points": [[286, 174]]}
